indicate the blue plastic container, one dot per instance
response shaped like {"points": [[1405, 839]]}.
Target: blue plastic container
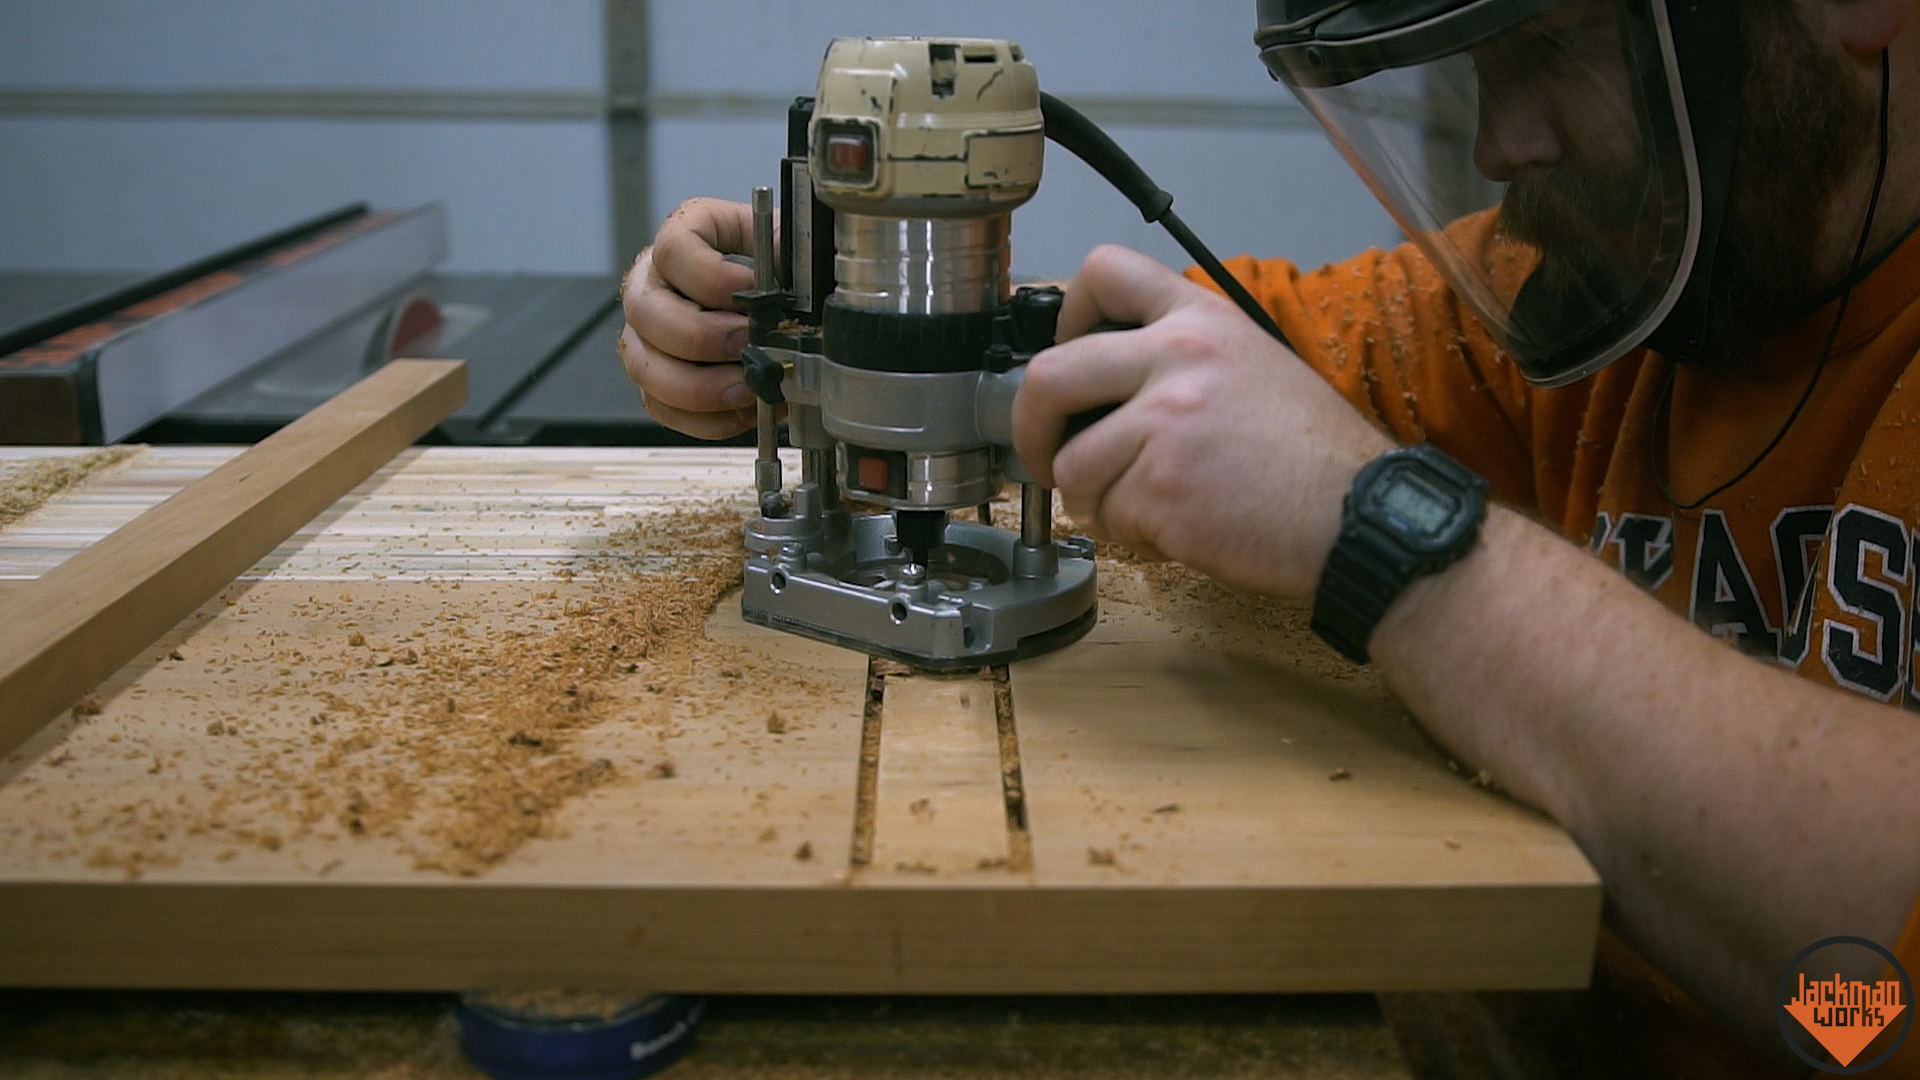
{"points": [[548, 1037]]}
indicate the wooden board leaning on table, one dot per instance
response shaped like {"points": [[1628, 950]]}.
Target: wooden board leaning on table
{"points": [[74, 626], [494, 719]]}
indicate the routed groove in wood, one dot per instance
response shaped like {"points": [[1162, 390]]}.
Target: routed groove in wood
{"points": [[867, 787], [77, 624], [1019, 839]]}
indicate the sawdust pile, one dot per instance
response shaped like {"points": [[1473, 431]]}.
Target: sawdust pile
{"points": [[1275, 630], [456, 746], [483, 753], [551, 1006], [488, 732], [26, 487]]}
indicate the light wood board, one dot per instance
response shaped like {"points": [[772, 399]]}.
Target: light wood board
{"points": [[1193, 799]]}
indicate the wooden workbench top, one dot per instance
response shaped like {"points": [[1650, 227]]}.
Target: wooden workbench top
{"points": [[484, 723]]}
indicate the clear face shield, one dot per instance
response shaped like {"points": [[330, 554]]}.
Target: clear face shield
{"points": [[1574, 234]]}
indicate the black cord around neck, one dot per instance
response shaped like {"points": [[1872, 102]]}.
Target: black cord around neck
{"points": [[1665, 405]]}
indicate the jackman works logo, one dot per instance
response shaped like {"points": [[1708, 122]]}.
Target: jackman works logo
{"points": [[1844, 1016]]}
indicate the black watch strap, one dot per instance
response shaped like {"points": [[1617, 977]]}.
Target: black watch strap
{"points": [[1356, 589], [1389, 537]]}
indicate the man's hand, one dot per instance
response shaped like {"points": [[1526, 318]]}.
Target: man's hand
{"points": [[1229, 454], [683, 336]]}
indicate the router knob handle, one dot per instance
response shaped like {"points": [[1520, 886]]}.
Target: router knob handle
{"points": [[763, 374]]}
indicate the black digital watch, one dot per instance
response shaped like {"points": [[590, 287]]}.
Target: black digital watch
{"points": [[1411, 511]]}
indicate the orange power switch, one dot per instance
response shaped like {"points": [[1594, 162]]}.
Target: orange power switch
{"points": [[849, 155], [873, 474]]}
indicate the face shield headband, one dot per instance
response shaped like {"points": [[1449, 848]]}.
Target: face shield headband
{"points": [[1609, 129]]}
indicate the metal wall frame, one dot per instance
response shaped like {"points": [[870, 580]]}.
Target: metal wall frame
{"points": [[628, 111]]}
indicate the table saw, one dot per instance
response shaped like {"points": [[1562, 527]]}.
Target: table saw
{"points": [[238, 343]]}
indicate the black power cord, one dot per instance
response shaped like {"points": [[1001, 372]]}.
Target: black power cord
{"points": [[1083, 138], [1659, 425]]}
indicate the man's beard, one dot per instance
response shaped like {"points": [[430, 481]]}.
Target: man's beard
{"points": [[1805, 124], [1575, 216]]}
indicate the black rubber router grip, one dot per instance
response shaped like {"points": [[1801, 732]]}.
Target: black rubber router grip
{"points": [[1081, 421], [914, 344]]}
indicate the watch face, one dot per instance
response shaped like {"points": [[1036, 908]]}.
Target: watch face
{"points": [[1417, 506]]}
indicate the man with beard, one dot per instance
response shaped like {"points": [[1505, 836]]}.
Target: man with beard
{"points": [[1680, 341]]}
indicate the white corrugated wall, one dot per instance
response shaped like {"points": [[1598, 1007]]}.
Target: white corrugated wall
{"points": [[142, 133]]}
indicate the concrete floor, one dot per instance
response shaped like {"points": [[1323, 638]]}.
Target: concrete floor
{"points": [[106, 1035]]}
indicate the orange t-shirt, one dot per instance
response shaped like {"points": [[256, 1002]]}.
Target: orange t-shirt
{"points": [[1809, 560]]}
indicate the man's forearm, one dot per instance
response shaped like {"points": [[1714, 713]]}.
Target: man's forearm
{"points": [[1736, 812]]}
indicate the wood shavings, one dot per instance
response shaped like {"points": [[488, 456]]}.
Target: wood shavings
{"points": [[1274, 630], [511, 739], [450, 734], [27, 487], [557, 1006]]}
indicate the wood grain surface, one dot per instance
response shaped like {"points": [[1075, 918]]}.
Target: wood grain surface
{"points": [[1213, 801]]}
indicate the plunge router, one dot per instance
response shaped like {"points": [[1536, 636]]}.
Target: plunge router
{"points": [[886, 325]]}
